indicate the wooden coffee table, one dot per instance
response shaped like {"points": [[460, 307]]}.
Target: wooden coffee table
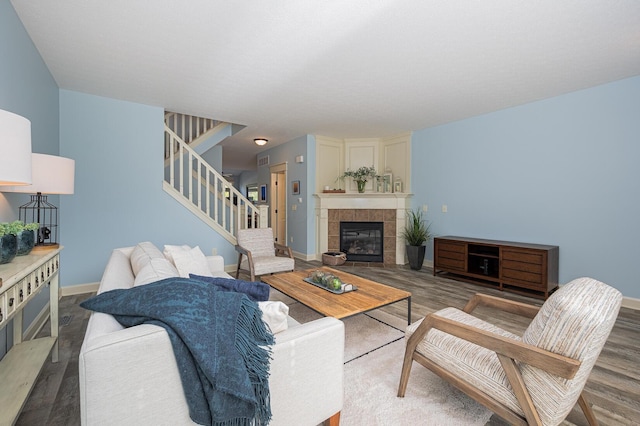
{"points": [[369, 295]]}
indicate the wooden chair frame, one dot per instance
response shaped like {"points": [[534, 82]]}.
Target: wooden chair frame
{"points": [[508, 351], [279, 249]]}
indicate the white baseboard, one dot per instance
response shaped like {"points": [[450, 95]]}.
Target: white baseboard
{"points": [[72, 290], [631, 303], [305, 257]]}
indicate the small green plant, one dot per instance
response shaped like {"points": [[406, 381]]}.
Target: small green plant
{"points": [[14, 227], [416, 231], [32, 226], [363, 174]]}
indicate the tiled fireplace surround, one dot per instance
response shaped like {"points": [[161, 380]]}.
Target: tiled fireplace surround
{"points": [[331, 209], [388, 216]]}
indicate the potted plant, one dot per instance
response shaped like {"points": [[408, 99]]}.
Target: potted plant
{"points": [[8, 244], [360, 176], [25, 234], [416, 232]]}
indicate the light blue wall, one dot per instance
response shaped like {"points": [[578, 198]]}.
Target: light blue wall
{"points": [[27, 89], [561, 171], [118, 199], [300, 222]]}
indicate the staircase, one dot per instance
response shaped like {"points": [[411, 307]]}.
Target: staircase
{"points": [[200, 188]]}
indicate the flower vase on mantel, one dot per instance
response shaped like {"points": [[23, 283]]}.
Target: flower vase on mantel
{"points": [[360, 176]]}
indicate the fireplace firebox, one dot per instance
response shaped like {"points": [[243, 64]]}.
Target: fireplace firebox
{"points": [[362, 241]]}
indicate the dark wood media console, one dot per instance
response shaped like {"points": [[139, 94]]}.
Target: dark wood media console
{"points": [[530, 269]]}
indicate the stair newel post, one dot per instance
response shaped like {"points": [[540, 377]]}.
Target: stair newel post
{"points": [[263, 218]]}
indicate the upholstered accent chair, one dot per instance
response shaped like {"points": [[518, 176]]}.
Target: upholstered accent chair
{"points": [[262, 255], [534, 379]]}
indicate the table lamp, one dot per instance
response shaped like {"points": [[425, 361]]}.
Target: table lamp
{"points": [[50, 175], [15, 149]]}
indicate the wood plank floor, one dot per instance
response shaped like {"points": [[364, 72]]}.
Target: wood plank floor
{"points": [[613, 387]]}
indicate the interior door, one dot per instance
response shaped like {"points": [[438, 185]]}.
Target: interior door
{"points": [[279, 203]]}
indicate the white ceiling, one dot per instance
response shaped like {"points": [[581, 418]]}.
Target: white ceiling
{"points": [[357, 68]]}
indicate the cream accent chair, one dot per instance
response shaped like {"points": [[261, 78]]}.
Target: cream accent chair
{"points": [[535, 379], [261, 252]]}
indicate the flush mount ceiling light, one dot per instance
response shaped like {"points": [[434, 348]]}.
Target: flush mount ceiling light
{"points": [[260, 141]]}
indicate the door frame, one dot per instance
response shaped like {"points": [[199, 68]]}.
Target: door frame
{"points": [[278, 195]]}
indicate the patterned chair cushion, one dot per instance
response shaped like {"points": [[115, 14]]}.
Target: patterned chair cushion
{"points": [[267, 264], [474, 364], [259, 241]]}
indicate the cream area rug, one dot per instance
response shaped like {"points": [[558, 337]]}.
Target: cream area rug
{"points": [[374, 348]]}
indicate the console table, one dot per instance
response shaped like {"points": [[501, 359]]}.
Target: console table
{"points": [[20, 281], [530, 269]]}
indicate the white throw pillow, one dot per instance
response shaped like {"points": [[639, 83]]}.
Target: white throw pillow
{"points": [[157, 269], [275, 315], [169, 250], [142, 254], [190, 262]]}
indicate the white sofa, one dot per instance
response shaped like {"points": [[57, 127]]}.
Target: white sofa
{"points": [[129, 376]]}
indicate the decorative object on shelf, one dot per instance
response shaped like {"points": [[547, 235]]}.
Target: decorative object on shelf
{"points": [[15, 145], [361, 176], [386, 182], [51, 174], [333, 191], [295, 187], [416, 232], [26, 241], [8, 244], [27, 238], [397, 185]]}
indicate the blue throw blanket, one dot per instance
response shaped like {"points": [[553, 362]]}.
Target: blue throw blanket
{"points": [[219, 341], [257, 291]]}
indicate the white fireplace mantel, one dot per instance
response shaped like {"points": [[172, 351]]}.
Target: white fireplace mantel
{"points": [[353, 200]]}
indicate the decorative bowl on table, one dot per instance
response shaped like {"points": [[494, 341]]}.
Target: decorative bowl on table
{"points": [[329, 282]]}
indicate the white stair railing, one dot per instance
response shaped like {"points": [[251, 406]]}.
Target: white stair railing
{"points": [[204, 191], [192, 130], [188, 127]]}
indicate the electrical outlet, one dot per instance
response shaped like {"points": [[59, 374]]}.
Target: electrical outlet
{"points": [[214, 251], [294, 207], [424, 208], [444, 208], [291, 239]]}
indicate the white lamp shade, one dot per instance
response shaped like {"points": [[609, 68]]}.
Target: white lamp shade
{"points": [[51, 174], [15, 149]]}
